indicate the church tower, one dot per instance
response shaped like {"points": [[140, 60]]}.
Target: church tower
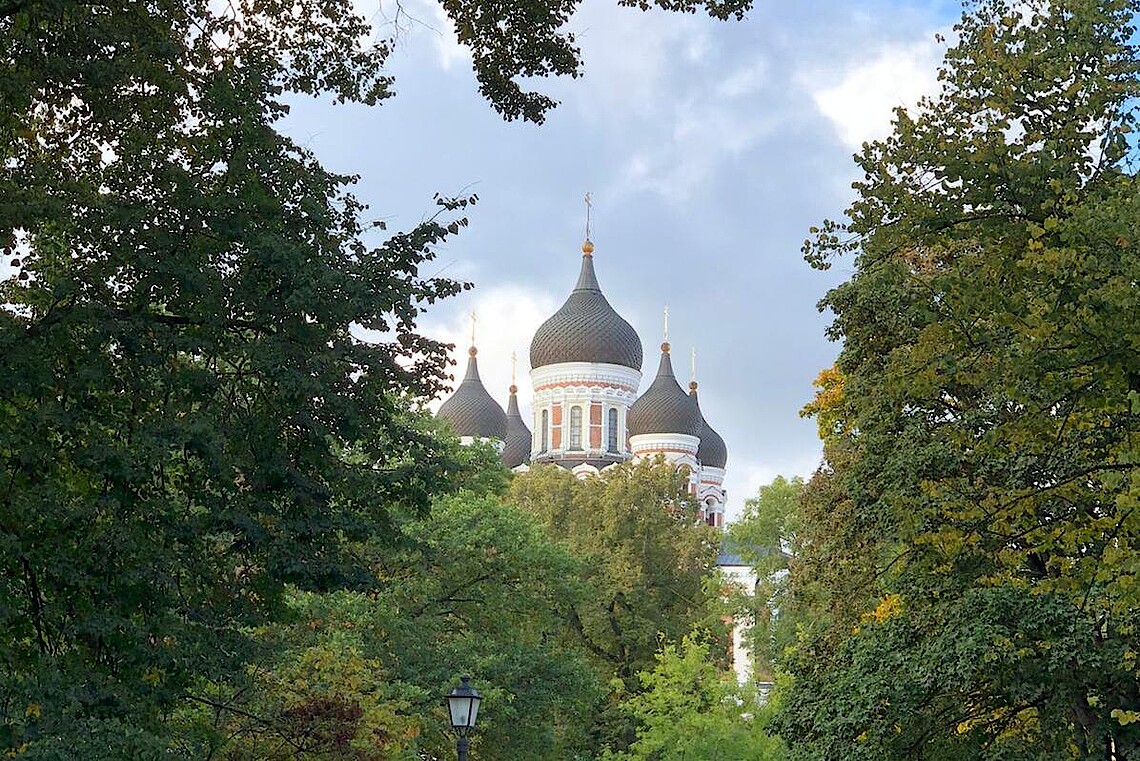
{"points": [[666, 421], [471, 412], [516, 453], [713, 456], [586, 367]]}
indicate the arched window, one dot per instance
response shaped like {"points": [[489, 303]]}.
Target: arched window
{"points": [[545, 431], [575, 427], [611, 430]]}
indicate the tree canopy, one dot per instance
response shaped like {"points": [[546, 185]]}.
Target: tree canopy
{"points": [[188, 421], [767, 538], [646, 573], [473, 587], [691, 709], [647, 555], [528, 38], [982, 463], [192, 429]]}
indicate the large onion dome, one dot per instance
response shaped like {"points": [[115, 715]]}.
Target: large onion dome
{"points": [[664, 407], [586, 328], [712, 452], [471, 411], [517, 446]]}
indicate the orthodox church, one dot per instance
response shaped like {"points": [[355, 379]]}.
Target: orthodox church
{"points": [[586, 365]]}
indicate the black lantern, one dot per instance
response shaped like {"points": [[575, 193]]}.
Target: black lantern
{"points": [[463, 706]]}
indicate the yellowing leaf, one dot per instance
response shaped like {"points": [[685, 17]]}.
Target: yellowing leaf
{"points": [[888, 607]]}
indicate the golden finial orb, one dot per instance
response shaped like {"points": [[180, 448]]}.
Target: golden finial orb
{"points": [[587, 248], [665, 347]]}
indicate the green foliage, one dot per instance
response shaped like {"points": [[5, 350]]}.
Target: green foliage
{"points": [[480, 470], [188, 421], [646, 567], [972, 540], [690, 709], [474, 588], [767, 532], [767, 538], [834, 578], [645, 554], [193, 434], [527, 38], [990, 673]]}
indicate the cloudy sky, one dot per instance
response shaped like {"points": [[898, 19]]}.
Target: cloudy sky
{"points": [[709, 149]]}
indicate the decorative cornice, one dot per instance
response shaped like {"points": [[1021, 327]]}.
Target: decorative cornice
{"points": [[583, 383], [681, 443], [586, 374], [641, 451]]}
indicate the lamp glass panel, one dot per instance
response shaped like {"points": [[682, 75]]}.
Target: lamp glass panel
{"points": [[464, 710], [457, 706]]}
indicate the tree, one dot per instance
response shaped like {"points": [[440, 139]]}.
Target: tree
{"points": [[769, 526], [645, 553], [190, 423], [834, 577], [691, 710], [647, 567], [767, 537], [473, 587], [986, 468], [527, 38]]}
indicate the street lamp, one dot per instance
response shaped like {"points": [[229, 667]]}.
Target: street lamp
{"points": [[463, 705]]}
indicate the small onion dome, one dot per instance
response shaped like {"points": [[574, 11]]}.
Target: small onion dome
{"points": [[712, 452], [586, 328], [471, 411], [517, 445], [664, 407]]}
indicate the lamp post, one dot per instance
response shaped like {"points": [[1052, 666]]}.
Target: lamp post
{"points": [[463, 706]]}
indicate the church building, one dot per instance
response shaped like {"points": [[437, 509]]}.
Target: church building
{"points": [[586, 363]]}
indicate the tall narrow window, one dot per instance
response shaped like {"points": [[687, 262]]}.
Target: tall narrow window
{"points": [[545, 430], [611, 430], [575, 427]]}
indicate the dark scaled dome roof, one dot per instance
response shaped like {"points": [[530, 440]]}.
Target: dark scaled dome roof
{"points": [[712, 452], [517, 445], [586, 328], [471, 411], [664, 407]]}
